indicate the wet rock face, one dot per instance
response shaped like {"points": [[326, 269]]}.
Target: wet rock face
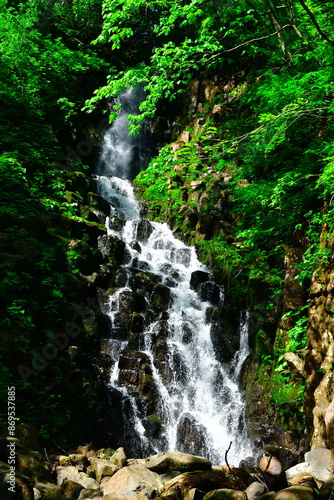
{"points": [[115, 223], [135, 373], [208, 291], [143, 230], [191, 436], [112, 248], [197, 278], [160, 298], [223, 335]]}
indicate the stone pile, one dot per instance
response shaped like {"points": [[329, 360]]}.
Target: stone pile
{"points": [[106, 474]]}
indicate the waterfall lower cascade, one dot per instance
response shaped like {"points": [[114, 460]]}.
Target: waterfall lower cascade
{"points": [[174, 391]]}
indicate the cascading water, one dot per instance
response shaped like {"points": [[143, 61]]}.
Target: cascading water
{"points": [[181, 396]]}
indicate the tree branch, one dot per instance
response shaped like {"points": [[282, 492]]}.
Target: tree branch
{"points": [[249, 41], [241, 138], [260, 38], [315, 22]]}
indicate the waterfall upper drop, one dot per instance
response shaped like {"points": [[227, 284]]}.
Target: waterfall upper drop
{"points": [[165, 333], [124, 155]]}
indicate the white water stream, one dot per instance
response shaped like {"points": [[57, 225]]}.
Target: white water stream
{"points": [[200, 405]]}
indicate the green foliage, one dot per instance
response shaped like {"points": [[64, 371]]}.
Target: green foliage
{"points": [[274, 138], [155, 178], [48, 70]]}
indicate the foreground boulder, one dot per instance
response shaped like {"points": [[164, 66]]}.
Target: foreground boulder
{"points": [[71, 489], [71, 473], [119, 458], [174, 460], [226, 494], [255, 490], [321, 454], [50, 491], [21, 487], [270, 465], [204, 481], [102, 468], [296, 493], [132, 480], [272, 472], [316, 468]]}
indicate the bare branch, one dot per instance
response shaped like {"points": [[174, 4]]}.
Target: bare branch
{"points": [[260, 38], [249, 41], [229, 467], [315, 22], [241, 138]]}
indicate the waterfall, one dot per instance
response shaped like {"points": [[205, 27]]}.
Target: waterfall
{"points": [[176, 391]]}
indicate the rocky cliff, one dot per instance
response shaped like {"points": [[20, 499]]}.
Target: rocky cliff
{"points": [[291, 333]]}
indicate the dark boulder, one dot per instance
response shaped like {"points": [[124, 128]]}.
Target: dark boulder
{"points": [[96, 201], [160, 298], [191, 436], [135, 373], [116, 223], [224, 333], [210, 292], [112, 248], [197, 278], [143, 230]]}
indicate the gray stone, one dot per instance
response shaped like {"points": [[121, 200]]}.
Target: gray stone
{"points": [[143, 229], [103, 482], [73, 474], [255, 490], [321, 454], [305, 479], [316, 468], [119, 458], [191, 436], [78, 460], [32, 464], [82, 450], [204, 480], [326, 490], [176, 460], [37, 494], [103, 467], [197, 185], [64, 460], [132, 480], [168, 476], [112, 248], [198, 277]]}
